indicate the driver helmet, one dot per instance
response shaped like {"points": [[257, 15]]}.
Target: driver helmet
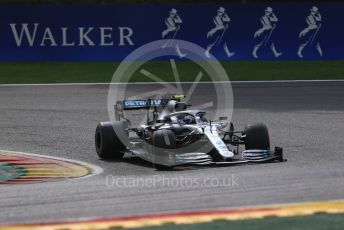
{"points": [[188, 119], [201, 119]]}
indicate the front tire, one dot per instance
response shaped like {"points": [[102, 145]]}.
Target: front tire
{"points": [[111, 140], [257, 137]]}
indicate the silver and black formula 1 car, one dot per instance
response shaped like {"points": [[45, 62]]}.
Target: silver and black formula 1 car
{"points": [[173, 135]]}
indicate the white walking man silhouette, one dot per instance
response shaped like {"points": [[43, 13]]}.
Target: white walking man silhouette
{"points": [[217, 35], [173, 23], [314, 24], [269, 21]]}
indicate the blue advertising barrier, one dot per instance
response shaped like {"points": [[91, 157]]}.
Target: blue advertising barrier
{"points": [[284, 31]]}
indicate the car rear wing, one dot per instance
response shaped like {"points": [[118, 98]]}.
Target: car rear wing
{"points": [[141, 104], [146, 104]]}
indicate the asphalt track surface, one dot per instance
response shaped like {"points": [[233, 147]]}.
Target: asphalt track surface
{"points": [[307, 119]]}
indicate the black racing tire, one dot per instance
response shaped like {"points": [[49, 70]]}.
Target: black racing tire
{"points": [[163, 139], [257, 137], [111, 140]]}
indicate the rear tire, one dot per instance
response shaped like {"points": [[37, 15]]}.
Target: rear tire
{"points": [[163, 139], [257, 137], [109, 138]]}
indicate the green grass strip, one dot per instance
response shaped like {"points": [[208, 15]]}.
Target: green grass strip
{"points": [[314, 222], [73, 72]]}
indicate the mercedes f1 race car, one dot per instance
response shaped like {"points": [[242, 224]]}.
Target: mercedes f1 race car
{"points": [[174, 135]]}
